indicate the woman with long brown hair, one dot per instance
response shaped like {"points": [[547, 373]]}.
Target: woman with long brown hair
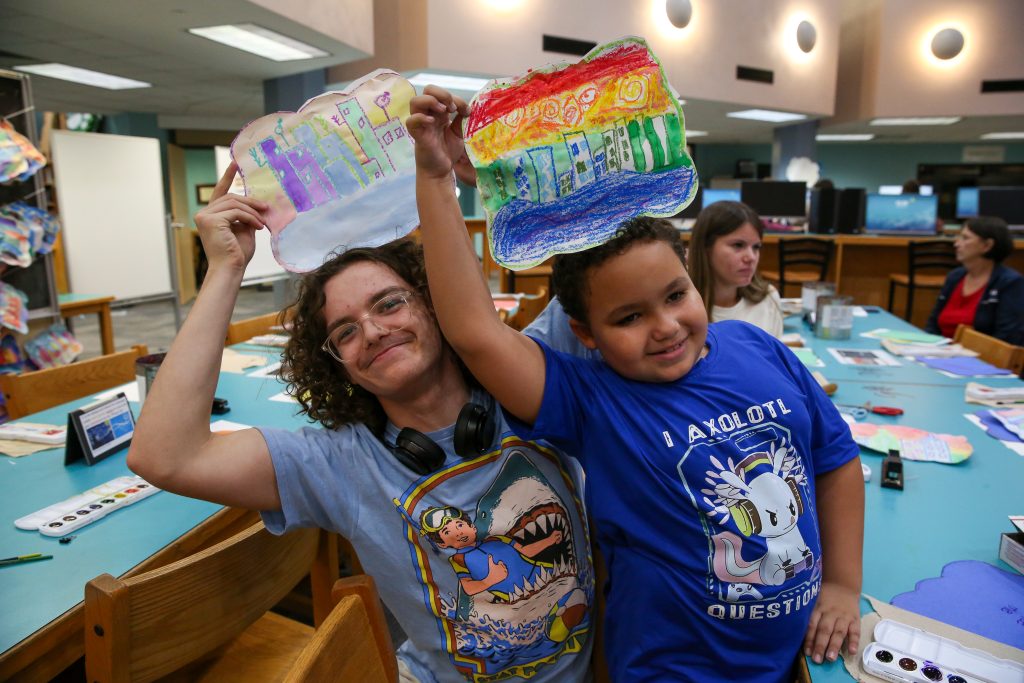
{"points": [[725, 249]]}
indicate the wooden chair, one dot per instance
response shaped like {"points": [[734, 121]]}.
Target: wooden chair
{"points": [[353, 644], [529, 308], [991, 350], [31, 392], [205, 618], [244, 330], [814, 255], [529, 281], [937, 256], [477, 228]]}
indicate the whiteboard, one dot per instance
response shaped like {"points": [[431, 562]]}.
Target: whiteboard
{"points": [[263, 264], [110, 190]]}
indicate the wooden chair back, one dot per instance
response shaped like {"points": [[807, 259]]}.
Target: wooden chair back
{"points": [[477, 228], [353, 644], [804, 251], [529, 308], [147, 626], [991, 350], [936, 256], [31, 392], [244, 330]]}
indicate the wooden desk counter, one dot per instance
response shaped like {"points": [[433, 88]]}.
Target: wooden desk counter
{"points": [[862, 263]]}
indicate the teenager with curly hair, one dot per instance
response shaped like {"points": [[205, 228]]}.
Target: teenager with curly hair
{"points": [[368, 362]]}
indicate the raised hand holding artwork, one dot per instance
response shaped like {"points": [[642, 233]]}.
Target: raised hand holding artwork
{"points": [[337, 174]]}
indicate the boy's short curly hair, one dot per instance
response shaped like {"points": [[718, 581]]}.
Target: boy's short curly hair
{"points": [[318, 381], [569, 274]]}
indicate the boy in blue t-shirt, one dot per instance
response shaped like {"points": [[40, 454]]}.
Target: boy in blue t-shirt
{"points": [[725, 489]]}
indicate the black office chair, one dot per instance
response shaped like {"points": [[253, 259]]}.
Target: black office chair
{"points": [[814, 254], [937, 256]]}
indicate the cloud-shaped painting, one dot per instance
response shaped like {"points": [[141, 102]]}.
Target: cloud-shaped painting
{"points": [[566, 153], [338, 173]]}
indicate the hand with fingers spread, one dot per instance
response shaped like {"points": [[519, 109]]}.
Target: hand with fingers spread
{"points": [[439, 143], [836, 618], [228, 225]]}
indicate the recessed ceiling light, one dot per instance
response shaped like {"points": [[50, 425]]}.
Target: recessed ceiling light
{"points": [[448, 81], [83, 76], [695, 133], [844, 137], [259, 41], [1007, 135], [916, 121], [766, 115]]}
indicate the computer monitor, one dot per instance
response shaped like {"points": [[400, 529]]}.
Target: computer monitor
{"points": [[775, 198], [712, 196], [1005, 202], [966, 202], [926, 190], [904, 214], [890, 189]]}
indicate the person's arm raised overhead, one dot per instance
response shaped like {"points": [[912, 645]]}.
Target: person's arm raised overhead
{"points": [[509, 365], [173, 447]]}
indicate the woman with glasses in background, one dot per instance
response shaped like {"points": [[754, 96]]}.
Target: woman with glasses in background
{"points": [[982, 293], [403, 431]]}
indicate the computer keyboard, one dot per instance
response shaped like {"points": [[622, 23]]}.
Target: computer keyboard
{"points": [[74, 513]]}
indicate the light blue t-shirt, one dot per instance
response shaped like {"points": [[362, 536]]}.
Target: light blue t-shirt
{"points": [[702, 493], [512, 603]]}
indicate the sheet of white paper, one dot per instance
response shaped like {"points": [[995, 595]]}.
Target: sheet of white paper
{"points": [[283, 397], [866, 357], [227, 426], [130, 390]]}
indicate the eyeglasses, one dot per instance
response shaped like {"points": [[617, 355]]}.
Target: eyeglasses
{"points": [[434, 519], [390, 313]]}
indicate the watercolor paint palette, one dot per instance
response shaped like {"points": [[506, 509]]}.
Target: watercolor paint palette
{"points": [[72, 514], [909, 655]]}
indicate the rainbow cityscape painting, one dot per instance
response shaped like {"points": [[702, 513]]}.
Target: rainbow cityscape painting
{"points": [[338, 173], [565, 154]]}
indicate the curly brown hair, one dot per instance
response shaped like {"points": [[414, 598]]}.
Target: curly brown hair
{"points": [[319, 382], [569, 273]]}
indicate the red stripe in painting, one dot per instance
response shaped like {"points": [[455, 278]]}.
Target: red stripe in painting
{"points": [[499, 102]]}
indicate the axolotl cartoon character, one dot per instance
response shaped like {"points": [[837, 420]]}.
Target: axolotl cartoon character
{"points": [[767, 505]]}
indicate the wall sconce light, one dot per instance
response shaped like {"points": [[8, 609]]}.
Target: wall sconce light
{"points": [[806, 36], [947, 43], [679, 12]]}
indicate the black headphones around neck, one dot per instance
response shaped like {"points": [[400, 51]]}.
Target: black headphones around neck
{"points": [[474, 432]]}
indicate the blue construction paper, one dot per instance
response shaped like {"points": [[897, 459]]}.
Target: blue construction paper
{"points": [[995, 428], [974, 596], [966, 366]]}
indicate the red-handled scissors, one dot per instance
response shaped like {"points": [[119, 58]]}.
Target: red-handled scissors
{"points": [[862, 410]]}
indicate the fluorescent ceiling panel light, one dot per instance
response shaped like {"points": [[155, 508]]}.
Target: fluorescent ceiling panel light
{"points": [[916, 121], [1008, 135], [766, 115], [259, 41], [844, 137], [83, 76], [448, 81], [696, 133]]}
